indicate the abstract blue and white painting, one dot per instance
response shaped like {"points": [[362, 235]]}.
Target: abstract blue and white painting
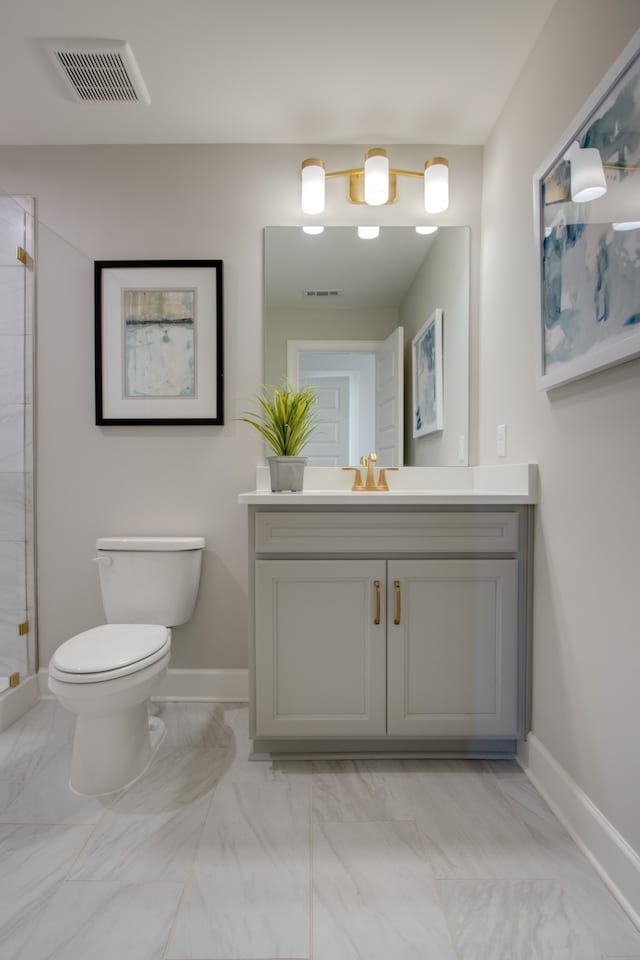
{"points": [[591, 251], [427, 377], [159, 328]]}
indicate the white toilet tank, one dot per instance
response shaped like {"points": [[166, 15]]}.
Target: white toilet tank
{"points": [[149, 579]]}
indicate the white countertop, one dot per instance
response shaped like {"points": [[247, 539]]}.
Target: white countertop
{"points": [[410, 486]]}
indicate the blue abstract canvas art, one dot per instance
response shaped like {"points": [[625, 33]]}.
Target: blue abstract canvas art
{"points": [[427, 377], [159, 342], [590, 271]]}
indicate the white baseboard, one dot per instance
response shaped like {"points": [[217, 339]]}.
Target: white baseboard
{"points": [[227, 686], [615, 860], [17, 700]]}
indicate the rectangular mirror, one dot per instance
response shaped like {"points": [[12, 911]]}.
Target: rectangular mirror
{"points": [[341, 314]]}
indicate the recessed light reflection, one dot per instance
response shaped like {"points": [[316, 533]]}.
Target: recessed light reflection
{"points": [[368, 233], [313, 231], [425, 231]]}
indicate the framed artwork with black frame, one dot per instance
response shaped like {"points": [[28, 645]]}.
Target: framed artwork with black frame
{"points": [[158, 342]]}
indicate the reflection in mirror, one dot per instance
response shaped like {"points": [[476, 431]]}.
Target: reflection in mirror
{"points": [[341, 313]]}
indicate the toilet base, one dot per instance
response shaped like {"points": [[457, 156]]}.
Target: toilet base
{"points": [[128, 743]]}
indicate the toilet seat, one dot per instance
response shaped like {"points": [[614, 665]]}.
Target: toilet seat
{"points": [[110, 651]]}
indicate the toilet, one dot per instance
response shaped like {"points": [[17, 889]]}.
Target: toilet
{"points": [[107, 675]]}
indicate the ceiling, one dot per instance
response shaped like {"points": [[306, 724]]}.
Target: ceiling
{"points": [[273, 71]]}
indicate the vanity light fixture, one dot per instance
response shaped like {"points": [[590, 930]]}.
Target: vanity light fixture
{"points": [[368, 233], [587, 173], [313, 231], [424, 230], [375, 183]]}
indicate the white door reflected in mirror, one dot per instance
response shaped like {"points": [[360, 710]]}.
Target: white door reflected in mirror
{"points": [[360, 397]]}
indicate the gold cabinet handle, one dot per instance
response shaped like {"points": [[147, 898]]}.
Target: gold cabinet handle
{"points": [[376, 584], [396, 584]]}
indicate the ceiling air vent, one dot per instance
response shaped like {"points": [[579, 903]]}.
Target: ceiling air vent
{"points": [[321, 293], [99, 71]]}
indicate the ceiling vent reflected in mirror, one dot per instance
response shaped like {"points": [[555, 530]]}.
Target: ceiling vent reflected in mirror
{"points": [[326, 294], [98, 71]]}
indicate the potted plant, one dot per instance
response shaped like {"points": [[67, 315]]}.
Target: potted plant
{"points": [[285, 418]]}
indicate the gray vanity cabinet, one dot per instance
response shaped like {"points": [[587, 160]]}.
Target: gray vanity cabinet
{"points": [[389, 627], [321, 649], [452, 648]]}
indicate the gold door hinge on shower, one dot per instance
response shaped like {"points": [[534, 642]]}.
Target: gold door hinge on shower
{"points": [[14, 680], [23, 628], [23, 257]]}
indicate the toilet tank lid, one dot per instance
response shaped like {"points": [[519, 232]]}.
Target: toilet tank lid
{"points": [[150, 543]]}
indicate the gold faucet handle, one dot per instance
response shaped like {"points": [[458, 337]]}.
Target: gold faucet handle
{"points": [[382, 477], [373, 456], [357, 480]]}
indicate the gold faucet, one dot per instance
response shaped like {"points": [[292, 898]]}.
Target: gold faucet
{"points": [[370, 482]]}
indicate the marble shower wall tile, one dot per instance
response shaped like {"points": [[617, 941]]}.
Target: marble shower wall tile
{"points": [[514, 920], [13, 649], [153, 829], [249, 893], [12, 506], [12, 299], [12, 230], [12, 380], [12, 438], [34, 860], [374, 896], [111, 921], [12, 567]]}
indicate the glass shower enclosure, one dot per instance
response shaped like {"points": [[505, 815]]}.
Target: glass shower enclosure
{"points": [[17, 555]]}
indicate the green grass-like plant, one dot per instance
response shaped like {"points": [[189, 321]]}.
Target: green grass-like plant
{"points": [[285, 417]]}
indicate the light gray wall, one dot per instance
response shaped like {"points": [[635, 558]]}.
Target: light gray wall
{"points": [[442, 281], [320, 323], [178, 201], [586, 709]]}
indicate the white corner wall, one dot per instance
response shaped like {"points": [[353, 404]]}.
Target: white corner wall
{"points": [[442, 281], [175, 201], [586, 438]]}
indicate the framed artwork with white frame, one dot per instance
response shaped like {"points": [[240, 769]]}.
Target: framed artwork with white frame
{"points": [[427, 374], [587, 233]]}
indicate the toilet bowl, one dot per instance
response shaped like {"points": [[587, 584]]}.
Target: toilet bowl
{"points": [[106, 675]]}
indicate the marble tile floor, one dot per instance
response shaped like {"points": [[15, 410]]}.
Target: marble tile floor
{"points": [[214, 857]]}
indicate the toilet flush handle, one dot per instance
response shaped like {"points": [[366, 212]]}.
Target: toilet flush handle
{"points": [[106, 560]]}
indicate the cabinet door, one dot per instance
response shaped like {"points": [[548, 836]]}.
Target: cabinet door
{"points": [[452, 659], [320, 655]]}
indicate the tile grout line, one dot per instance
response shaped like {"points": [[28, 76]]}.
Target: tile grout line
{"points": [[445, 915]]}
